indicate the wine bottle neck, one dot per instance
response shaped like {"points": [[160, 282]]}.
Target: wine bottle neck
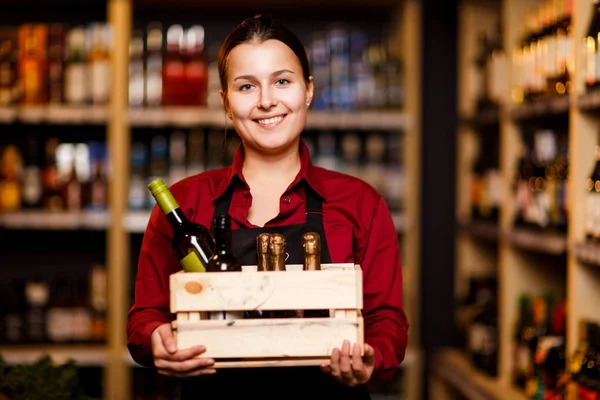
{"points": [[176, 217]]}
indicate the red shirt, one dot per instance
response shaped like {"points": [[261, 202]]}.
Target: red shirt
{"points": [[358, 227]]}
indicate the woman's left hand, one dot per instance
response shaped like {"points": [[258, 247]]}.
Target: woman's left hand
{"points": [[349, 367]]}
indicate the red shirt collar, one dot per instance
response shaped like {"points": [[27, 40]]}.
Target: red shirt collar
{"points": [[308, 172]]}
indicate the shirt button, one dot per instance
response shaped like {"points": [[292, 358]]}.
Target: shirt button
{"points": [[287, 200]]}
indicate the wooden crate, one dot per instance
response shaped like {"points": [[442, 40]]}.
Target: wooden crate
{"points": [[269, 342]]}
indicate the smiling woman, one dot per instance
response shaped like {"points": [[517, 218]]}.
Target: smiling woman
{"points": [[272, 187]]}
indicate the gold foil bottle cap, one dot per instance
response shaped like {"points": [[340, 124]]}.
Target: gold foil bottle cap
{"points": [[311, 242], [277, 244], [262, 243]]}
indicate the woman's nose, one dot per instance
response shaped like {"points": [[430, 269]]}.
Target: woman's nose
{"points": [[267, 99]]}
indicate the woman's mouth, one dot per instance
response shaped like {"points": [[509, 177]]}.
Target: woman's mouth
{"points": [[270, 122]]}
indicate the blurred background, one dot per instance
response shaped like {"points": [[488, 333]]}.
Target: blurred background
{"points": [[476, 120]]}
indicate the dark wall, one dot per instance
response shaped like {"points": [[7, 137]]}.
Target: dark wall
{"points": [[439, 94]]}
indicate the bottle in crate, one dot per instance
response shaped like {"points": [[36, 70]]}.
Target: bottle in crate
{"points": [[192, 243], [223, 260]]}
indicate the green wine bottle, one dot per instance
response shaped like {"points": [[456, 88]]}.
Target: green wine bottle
{"points": [[193, 244]]}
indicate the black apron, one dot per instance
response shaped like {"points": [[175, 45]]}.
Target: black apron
{"points": [[276, 383]]}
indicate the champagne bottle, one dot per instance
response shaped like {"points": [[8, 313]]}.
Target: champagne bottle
{"points": [[192, 243], [223, 260], [262, 252], [311, 250], [276, 258]]}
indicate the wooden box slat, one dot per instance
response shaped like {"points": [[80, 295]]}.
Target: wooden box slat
{"points": [[272, 290], [268, 338]]}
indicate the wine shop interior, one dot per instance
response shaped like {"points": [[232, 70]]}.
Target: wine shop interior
{"points": [[477, 121]]}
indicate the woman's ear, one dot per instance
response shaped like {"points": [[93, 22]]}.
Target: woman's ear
{"points": [[225, 103], [310, 88]]}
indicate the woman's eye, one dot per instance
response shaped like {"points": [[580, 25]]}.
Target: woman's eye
{"points": [[282, 81], [247, 86]]}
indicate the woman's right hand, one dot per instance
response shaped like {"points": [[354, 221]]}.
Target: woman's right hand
{"points": [[177, 363]]}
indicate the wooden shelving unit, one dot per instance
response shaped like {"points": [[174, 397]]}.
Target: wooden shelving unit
{"points": [[524, 261], [119, 223]]}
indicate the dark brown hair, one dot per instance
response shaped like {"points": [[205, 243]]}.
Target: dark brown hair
{"points": [[259, 29]]}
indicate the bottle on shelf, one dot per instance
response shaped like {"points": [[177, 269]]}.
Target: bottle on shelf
{"points": [[192, 243], [592, 205], [56, 63], [592, 65], [77, 89], [154, 64], [173, 79], [9, 88], [136, 69], [98, 61], [195, 67], [223, 259], [522, 356], [36, 294], [33, 58]]}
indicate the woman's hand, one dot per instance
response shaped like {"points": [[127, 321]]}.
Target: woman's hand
{"points": [[350, 368], [177, 363]]}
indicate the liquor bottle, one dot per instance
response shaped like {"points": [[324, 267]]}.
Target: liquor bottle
{"points": [[77, 90], [592, 211], [138, 199], [98, 59], [32, 176], [52, 201], [173, 88], [223, 259], [192, 243], [8, 67], [592, 66], [97, 282], [195, 67], [33, 62], [36, 295], [153, 89], [136, 69], [11, 166], [522, 357], [56, 66], [311, 261]]}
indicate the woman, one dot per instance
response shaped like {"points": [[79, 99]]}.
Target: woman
{"points": [[272, 186]]}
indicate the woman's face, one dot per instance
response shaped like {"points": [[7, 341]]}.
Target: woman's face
{"points": [[266, 95]]}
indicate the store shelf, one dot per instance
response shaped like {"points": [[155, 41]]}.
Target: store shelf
{"points": [[538, 240], [89, 356], [454, 368], [189, 117], [589, 101], [55, 114], [44, 220], [588, 252], [136, 221], [541, 108], [485, 230]]}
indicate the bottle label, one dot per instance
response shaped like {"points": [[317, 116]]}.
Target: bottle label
{"points": [[192, 263]]}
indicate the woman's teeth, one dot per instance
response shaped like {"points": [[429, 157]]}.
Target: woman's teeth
{"points": [[270, 121]]}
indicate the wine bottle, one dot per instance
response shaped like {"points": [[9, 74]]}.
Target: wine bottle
{"points": [[223, 260], [311, 250], [192, 243]]}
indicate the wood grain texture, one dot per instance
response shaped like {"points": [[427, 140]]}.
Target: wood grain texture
{"points": [[284, 338], [271, 290]]}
